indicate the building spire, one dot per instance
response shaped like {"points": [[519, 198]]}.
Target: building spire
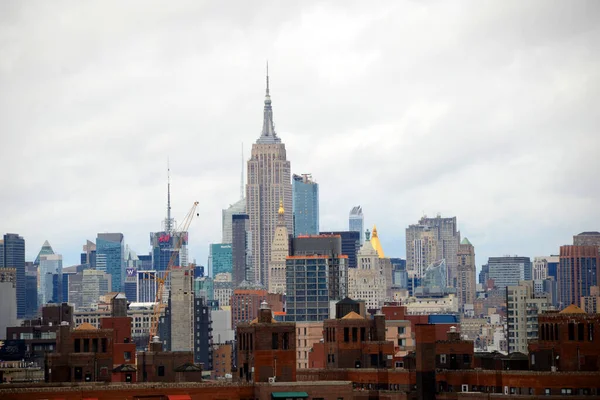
{"points": [[242, 179], [169, 223], [268, 134]]}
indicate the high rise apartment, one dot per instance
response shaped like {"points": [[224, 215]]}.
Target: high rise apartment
{"points": [[305, 203], [110, 258], [509, 271], [356, 222], [540, 268], [577, 273], [12, 255], [465, 273], [86, 291], [523, 307], [279, 251], [269, 181]]}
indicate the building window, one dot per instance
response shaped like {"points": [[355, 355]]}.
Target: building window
{"points": [[274, 341], [362, 334], [442, 359], [580, 330], [127, 355], [78, 373], [354, 334], [547, 391], [346, 335], [103, 344], [286, 341], [160, 370], [95, 345], [77, 346], [400, 330], [566, 391], [591, 332], [86, 345], [571, 331]]}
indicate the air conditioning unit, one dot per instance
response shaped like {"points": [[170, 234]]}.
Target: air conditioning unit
{"points": [[271, 379]]}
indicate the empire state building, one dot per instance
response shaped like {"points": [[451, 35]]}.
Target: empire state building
{"points": [[269, 182]]}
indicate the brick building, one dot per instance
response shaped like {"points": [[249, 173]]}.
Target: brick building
{"points": [[567, 341], [266, 349], [222, 359], [88, 354], [156, 365], [577, 273]]}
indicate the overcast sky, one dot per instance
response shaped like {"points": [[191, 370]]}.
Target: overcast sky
{"points": [[487, 111]]}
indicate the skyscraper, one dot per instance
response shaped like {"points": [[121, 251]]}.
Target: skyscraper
{"points": [[219, 258], [448, 238], [350, 244], [269, 181], [356, 222], [88, 256], [279, 252], [239, 207], [13, 256], [508, 271], [49, 265], [241, 248], [465, 273], [577, 273], [421, 249], [182, 309], [305, 205], [110, 258], [45, 250]]}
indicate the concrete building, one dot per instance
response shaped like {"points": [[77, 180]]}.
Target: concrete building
{"points": [[223, 289], [421, 249], [220, 259], [577, 273], [182, 309], [432, 303], [587, 239], [591, 304], [279, 251], [86, 287], [221, 324], [12, 255], [241, 249], [540, 268], [523, 308], [239, 207], [8, 300], [110, 258], [509, 271], [308, 334], [465, 273], [305, 205], [269, 181], [372, 278]]}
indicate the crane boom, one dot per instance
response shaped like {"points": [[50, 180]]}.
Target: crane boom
{"points": [[159, 306]]}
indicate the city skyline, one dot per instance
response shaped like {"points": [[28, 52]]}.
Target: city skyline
{"points": [[92, 157]]}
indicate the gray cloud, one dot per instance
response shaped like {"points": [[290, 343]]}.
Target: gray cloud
{"points": [[486, 111]]}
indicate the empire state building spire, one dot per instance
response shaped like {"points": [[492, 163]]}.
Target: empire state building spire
{"points": [[268, 134]]}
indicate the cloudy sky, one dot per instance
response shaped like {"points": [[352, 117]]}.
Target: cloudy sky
{"points": [[488, 111]]}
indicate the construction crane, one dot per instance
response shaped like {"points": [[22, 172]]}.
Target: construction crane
{"points": [[158, 305]]}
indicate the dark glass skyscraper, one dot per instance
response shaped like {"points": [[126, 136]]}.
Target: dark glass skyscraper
{"points": [[305, 205], [13, 256], [241, 245], [110, 253], [350, 245]]}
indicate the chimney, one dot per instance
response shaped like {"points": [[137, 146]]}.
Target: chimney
{"points": [[156, 345], [264, 314], [379, 327], [453, 335]]}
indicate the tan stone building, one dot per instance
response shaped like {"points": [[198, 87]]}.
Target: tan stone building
{"points": [[279, 251], [307, 334], [465, 272], [182, 309], [269, 181]]}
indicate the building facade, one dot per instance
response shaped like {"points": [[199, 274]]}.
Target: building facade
{"points": [[12, 255], [239, 207], [465, 273], [182, 309], [49, 264], [540, 268], [587, 239], [241, 249], [351, 243], [356, 222], [305, 205], [110, 258], [523, 307], [269, 181], [220, 259], [279, 251], [577, 273], [509, 271], [421, 249]]}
